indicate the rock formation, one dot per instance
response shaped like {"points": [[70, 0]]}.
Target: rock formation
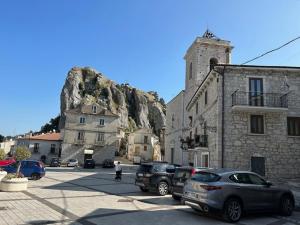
{"points": [[136, 108]]}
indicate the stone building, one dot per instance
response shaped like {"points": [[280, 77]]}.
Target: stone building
{"points": [[242, 117], [90, 131], [42, 146], [145, 144]]}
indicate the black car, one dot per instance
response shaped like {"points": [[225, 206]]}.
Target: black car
{"points": [[89, 163], [108, 163], [155, 176], [55, 162], [181, 175]]}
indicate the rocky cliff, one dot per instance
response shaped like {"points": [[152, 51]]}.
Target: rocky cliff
{"points": [[136, 108]]}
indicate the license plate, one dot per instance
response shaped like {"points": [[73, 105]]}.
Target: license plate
{"points": [[192, 195], [180, 184], [140, 174]]}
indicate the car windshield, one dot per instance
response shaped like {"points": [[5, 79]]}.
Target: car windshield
{"points": [[205, 177], [72, 160]]}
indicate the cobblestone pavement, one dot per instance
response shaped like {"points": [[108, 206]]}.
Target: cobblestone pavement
{"points": [[89, 197]]}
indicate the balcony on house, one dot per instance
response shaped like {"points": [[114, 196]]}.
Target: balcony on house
{"points": [[99, 143], [199, 141], [258, 101], [79, 141]]}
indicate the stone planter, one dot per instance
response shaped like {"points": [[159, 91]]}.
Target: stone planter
{"points": [[2, 174], [14, 184]]}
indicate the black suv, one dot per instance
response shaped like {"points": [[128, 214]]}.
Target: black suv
{"points": [[155, 176]]}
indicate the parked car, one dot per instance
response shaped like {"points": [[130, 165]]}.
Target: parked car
{"points": [[55, 162], [108, 163], [89, 163], [29, 168], [234, 192], [155, 176], [182, 174], [72, 163], [7, 161]]}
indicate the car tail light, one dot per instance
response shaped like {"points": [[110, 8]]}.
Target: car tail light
{"points": [[41, 165], [210, 187], [193, 171]]}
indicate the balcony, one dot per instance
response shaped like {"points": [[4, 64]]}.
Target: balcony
{"points": [[257, 101], [99, 143], [199, 141], [79, 141]]}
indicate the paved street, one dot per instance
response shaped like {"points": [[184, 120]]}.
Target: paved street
{"points": [[77, 196]]}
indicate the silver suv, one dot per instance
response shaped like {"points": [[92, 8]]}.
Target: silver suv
{"points": [[234, 192]]}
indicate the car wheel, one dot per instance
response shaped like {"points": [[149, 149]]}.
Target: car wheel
{"points": [[232, 211], [176, 197], [35, 176], [144, 189], [286, 206], [163, 188]]}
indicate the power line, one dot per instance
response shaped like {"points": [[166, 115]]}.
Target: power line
{"points": [[273, 50]]}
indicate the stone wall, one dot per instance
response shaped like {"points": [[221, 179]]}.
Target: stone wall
{"points": [[281, 152]]}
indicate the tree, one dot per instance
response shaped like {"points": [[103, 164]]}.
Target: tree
{"points": [[1, 138], [22, 153], [2, 154], [52, 125]]}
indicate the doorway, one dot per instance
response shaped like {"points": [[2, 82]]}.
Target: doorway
{"points": [[258, 165]]}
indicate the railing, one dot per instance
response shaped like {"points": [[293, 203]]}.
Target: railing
{"points": [[100, 143], [198, 141], [275, 100], [201, 140], [79, 141]]}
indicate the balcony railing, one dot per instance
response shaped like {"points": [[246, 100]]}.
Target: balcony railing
{"points": [[201, 141], [100, 143], [274, 100], [198, 141]]}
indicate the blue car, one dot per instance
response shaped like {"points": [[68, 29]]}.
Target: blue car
{"points": [[29, 168]]}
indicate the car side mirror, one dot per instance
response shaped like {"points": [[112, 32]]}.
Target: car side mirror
{"points": [[268, 184]]}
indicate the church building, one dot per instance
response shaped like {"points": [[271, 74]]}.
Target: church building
{"points": [[243, 117]]}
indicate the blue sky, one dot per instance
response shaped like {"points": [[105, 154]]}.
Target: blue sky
{"points": [[141, 42]]}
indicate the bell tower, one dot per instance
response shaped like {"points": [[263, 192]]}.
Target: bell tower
{"points": [[204, 52]]}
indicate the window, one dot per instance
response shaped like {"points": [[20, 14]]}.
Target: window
{"points": [[94, 109], [52, 148], [173, 119], [212, 62], [257, 124], [101, 122], [100, 137], [205, 98], [256, 92], [145, 139], [145, 148], [80, 135], [241, 178], [293, 124], [82, 120], [197, 108], [191, 71], [257, 180], [36, 147]]}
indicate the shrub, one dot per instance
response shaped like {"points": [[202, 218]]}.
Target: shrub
{"points": [[10, 176], [2, 154]]}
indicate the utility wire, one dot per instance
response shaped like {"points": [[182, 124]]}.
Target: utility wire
{"points": [[273, 50]]}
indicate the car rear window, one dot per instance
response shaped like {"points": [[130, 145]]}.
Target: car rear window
{"points": [[205, 177], [145, 168], [182, 173]]}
